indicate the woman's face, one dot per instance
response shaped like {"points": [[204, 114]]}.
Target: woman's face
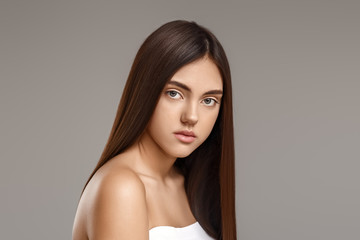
{"points": [[187, 109]]}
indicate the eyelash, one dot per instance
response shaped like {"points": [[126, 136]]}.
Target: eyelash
{"points": [[213, 101], [173, 91]]}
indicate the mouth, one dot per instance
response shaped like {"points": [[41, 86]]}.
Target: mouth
{"points": [[185, 136]]}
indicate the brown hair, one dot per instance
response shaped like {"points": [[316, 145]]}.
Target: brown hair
{"points": [[208, 170]]}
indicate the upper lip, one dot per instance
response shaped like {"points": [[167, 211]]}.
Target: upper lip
{"points": [[186, 133]]}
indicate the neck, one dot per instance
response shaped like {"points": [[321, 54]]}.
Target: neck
{"points": [[152, 160]]}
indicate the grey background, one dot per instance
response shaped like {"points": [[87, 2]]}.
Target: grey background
{"points": [[295, 68]]}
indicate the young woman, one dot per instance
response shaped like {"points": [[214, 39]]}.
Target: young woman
{"points": [[167, 170]]}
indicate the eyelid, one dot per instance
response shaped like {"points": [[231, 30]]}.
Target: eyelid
{"points": [[216, 101], [174, 90], [214, 98]]}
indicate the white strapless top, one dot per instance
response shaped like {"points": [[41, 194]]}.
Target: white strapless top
{"points": [[191, 232]]}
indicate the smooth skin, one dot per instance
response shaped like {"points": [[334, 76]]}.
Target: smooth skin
{"points": [[140, 189]]}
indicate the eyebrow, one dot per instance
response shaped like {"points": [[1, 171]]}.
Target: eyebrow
{"points": [[183, 86]]}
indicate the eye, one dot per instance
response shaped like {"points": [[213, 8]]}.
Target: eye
{"points": [[209, 102], [173, 94]]}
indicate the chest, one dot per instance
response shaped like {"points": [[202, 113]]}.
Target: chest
{"points": [[168, 207]]}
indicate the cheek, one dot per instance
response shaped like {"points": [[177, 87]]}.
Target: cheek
{"points": [[163, 116], [208, 123]]}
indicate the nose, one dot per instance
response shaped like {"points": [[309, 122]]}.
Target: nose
{"points": [[189, 115]]}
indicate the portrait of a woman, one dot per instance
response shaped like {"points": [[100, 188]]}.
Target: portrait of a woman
{"points": [[167, 170]]}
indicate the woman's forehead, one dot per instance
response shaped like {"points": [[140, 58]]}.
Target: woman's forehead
{"points": [[202, 74]]}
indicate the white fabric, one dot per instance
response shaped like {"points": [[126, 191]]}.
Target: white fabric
{"points": [[191, 232]]}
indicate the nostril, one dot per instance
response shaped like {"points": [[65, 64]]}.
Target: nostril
{"points": [[190, 114], [189, 119]]}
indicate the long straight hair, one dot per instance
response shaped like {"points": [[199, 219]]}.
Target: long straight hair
{"points": [[209, 170]]}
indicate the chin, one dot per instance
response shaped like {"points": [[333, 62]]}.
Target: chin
{"points": [[183, 153], [179, 150]]}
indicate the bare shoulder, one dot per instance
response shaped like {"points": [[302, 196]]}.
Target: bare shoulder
{"points": [[116, 205]]}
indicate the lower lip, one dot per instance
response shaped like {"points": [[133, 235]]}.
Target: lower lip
{"points": [[184, 138]]}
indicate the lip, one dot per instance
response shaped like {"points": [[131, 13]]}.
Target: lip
{"points": [[185, 136]]}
